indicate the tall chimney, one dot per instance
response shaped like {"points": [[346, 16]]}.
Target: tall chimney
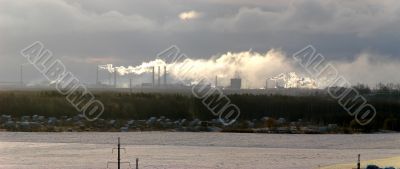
{"points": [[130, 85], [153, 74], [165, 75], [21, 76], [159, 76], [97, 75], [115, 77], [109, 78], [216, 81]]}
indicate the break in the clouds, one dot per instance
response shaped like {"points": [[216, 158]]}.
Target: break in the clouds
{"points": [[189, 15], [124, 32]]}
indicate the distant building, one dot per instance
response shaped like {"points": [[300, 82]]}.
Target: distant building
{"points": [[236, 83], [147, 85], [270, 84]]}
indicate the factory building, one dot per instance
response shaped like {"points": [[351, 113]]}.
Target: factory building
{"points": [[236, 83]]}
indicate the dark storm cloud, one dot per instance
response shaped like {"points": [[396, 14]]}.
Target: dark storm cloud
{"points": [[85, 33]]}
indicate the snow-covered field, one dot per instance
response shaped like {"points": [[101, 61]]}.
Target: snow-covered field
{"points": [[174, 150]]}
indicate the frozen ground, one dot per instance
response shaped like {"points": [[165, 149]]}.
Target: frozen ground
{"points": [[172, 150]]}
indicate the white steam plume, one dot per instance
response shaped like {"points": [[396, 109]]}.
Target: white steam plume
{"points": [[370, 69], [292, 80], [143, 68], [255, 68]]}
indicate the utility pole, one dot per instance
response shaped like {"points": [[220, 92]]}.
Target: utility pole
{"points": [[119, 154], [119, 157]]}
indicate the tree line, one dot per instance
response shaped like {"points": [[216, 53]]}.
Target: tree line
{"points": [[318, 109]]}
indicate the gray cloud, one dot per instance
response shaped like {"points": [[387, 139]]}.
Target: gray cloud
{"points": [[124, 32]]}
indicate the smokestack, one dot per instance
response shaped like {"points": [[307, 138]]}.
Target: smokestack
{"points": [[153, 74], [97, 75], [109, 78], [130, 85], [115, 77], [21, 80], [159, 76], [165, 75], [216, 81]]}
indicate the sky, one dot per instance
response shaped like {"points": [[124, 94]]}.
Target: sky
{"points": [[361, 37]]}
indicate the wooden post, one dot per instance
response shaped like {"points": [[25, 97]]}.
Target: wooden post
{"points": [[137, 163], [358, 163]]}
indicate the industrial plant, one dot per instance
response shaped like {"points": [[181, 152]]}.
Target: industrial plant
{"points": [[157, 79]]}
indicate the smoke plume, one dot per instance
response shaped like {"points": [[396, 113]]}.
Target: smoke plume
{"points": [[256, 69]]}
